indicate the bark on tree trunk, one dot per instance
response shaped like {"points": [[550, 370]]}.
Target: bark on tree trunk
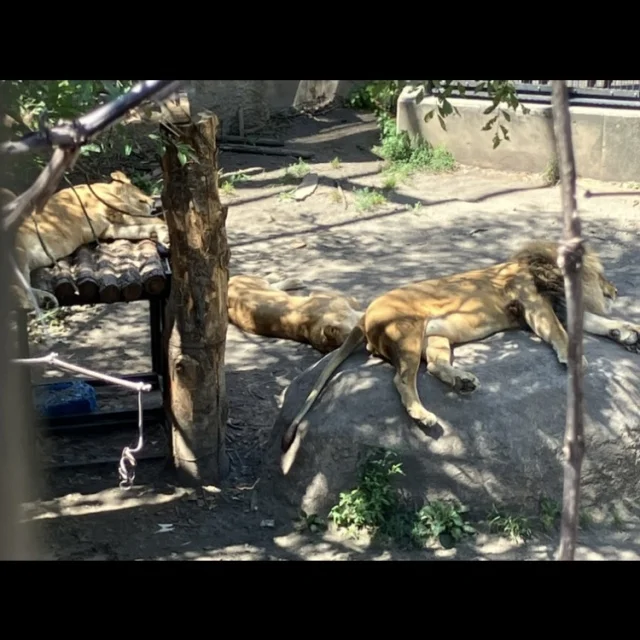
{"points": [[570, 261], [196, 324]]}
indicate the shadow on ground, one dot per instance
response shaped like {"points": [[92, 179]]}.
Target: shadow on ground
{"points": [[433, 226]]}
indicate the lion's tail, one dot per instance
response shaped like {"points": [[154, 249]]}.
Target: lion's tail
{"points": [[355, 338]]}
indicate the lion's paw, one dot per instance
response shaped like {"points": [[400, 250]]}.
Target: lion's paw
{"points": [[421, 415], [628, 336], [465, 382]]}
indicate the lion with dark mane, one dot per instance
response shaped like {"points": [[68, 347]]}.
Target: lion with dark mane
{"points": [[424, 320]]}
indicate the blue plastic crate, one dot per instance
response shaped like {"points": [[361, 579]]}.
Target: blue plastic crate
{"points": [[65, 398]]}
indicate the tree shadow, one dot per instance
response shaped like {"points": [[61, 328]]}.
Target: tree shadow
{"points": [[363, 255]]}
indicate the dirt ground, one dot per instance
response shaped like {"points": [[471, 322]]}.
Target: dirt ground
{"points": [[431, 224]]}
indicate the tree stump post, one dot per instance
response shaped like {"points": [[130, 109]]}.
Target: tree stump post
{"points": [[196, 322]]}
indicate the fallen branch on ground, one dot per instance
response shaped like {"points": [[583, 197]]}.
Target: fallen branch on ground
{"points": [[240, 172], [261, 142], [267, 151]]}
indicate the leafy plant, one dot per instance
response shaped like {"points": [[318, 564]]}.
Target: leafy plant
{"points": [[513, 527], [442, 520], [550, 513], [551, 174], [309, 522], [390, 183], [374, 501], [228, 184], [367, 199], [297, 171], [381, 96], [376, 507], [405, 156]]}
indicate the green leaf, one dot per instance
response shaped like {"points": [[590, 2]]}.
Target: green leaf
{"points": [[507, 116], [182, 157], [496, 141], [505, 132], [92, 148], [127, 150], [429, 115], [442, 124], [447, 109]]}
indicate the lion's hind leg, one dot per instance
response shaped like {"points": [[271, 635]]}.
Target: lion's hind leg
{"points": [[403, 344], [438, 357], [625, 333]]}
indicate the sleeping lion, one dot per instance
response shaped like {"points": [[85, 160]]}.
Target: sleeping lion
{"points": [[424, 320]]}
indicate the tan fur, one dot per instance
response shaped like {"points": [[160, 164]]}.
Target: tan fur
{"points": [[322, 320], [424, 320], [64, 228]]}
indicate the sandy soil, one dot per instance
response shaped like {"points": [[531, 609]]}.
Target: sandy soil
{"points": [[430, 225]]}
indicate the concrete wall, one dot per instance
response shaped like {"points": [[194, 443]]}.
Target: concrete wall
{"points": [[606, 141], [260, 99]]}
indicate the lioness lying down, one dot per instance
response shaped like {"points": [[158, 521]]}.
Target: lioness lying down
{"points": [[425, 319], [117, 210], [322, 320]]}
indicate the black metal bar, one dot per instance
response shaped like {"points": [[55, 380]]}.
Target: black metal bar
{"points": [[155, 324], [102, 461], [110, 421], [573, 101], [102, 422], [578, 96]]}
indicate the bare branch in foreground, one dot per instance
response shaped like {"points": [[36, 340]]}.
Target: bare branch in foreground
{"points": [[53, 360], [74, 134], [86, 127], [570, 256], [69, 137]]}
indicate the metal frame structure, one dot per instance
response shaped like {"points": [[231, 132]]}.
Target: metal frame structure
{"points": [[108, 421], [584, 96]]}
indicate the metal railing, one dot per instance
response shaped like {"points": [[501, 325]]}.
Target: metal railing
{"points": [[623, 94]]}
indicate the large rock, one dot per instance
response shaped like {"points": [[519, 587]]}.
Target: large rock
{"points": [[501, 444]]}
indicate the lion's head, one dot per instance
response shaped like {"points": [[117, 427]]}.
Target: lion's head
{"points": [[131, 198], [541, 257]]}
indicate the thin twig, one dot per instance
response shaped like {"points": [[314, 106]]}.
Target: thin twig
{"points": [[53, 360], [570, 256]]}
